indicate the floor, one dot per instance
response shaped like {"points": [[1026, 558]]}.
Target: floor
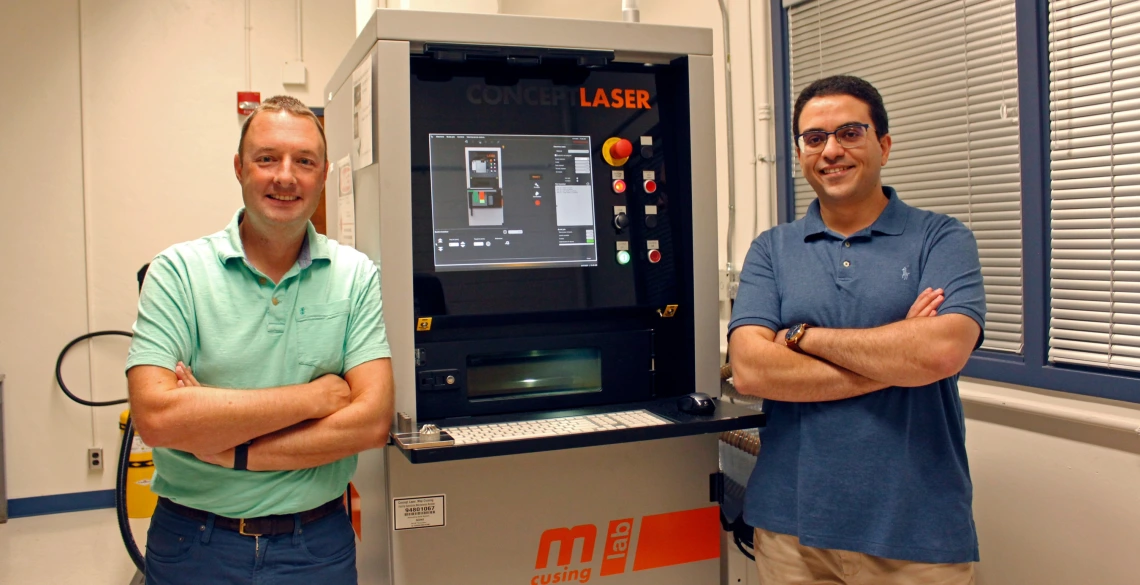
{"points": [[78, 547]]}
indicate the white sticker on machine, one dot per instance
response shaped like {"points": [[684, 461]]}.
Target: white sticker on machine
{"points": [[418, 512], [138, 446]]}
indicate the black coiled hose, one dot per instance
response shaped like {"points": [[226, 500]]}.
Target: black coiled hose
{"points": [[121, 497], [59, 368], [740, 544], [124, 449]]}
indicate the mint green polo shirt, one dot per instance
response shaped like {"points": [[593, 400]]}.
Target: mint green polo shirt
{"points": [[204, 304]]}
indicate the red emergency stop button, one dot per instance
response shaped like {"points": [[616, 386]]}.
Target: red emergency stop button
{"points": [[619, 186], [654, 256], [621, 149], [616, 151], [650, 186]]}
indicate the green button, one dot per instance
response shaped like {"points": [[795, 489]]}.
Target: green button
{"points": [[623, 257]]}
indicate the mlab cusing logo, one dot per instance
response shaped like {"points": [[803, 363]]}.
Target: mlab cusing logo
{"points": [[662, 540]]}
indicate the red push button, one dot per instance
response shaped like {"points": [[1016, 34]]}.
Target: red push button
{"points": [[619, 186], [621, 149], [616, 151], [654, 256], [650, 186]]}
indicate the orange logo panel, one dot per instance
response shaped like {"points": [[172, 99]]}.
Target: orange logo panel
{"points": [[677, 538]]}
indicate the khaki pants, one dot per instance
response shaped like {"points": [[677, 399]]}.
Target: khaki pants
{"points": [[782, 560]]}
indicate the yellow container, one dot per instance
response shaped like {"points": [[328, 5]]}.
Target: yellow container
{"points": [[140, 500]]}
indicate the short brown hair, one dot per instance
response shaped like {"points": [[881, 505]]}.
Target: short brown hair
{"points": [[283, 103]]}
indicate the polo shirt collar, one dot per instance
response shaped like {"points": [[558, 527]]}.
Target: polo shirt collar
{"points": [[230, 246], [315, 246], [813, 221], [891, 221]]}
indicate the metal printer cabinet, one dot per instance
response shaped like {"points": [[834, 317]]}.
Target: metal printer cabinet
{"points": [[628, 506]]}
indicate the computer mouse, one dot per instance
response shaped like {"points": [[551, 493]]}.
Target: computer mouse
{"points": [[696, 403]]}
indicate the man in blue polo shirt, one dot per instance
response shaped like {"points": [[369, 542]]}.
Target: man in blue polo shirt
{"points": [[284, 330], [852, 323]]}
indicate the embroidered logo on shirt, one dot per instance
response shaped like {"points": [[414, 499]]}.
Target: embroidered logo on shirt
{"points": [[905, 273]]}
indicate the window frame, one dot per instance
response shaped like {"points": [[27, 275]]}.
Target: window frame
{"points": [[1032, 367]]}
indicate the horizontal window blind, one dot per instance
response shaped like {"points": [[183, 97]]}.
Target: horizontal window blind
{"points": [[1094, 107], [948, 75]]}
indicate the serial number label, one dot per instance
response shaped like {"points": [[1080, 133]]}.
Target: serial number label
{"points": [[418, 512]]}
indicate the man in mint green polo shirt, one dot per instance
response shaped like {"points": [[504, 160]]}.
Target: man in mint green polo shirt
{"points": [[258, 370]]}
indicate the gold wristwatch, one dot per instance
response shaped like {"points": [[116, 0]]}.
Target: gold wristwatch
{"points": [[794, 335]]}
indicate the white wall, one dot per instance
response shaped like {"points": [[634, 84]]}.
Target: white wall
{"points": [[480, 6], [154, 148], [1055, 502], [596, 10], [43, 298]]}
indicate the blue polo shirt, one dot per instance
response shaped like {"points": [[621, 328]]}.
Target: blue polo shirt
{"points": [[884, 473]]}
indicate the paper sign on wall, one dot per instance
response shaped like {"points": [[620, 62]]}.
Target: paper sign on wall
{"points": [[362, 112], [418, 512], [346, 204]]}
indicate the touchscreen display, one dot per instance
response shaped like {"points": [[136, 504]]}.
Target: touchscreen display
{"points": [[511, 201]]}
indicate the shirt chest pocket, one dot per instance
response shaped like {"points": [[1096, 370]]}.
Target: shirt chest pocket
{"points": [[320, 339]]}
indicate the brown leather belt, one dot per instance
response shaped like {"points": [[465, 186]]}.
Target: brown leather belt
{"points": [[263, 526]]}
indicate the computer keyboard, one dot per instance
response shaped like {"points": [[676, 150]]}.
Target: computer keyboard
{"points": [[467, 435]]}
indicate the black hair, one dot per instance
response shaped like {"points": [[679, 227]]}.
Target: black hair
{"points": [[850, 85]]}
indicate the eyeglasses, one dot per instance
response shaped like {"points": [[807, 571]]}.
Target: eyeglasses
{"points": [[849, 136]]}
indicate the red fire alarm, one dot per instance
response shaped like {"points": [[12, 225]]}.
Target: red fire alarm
{"points": [[248, 102]]}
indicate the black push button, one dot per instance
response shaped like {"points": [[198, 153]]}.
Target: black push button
{"points": [[621, 221]]}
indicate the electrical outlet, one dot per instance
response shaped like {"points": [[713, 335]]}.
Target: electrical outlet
{"points": [[95, 459]]}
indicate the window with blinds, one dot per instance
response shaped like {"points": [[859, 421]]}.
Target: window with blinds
{"points": [[948, 75], [1094, 90]]}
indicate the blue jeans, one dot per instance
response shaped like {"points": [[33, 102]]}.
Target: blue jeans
{"points": [[184, 551]]}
